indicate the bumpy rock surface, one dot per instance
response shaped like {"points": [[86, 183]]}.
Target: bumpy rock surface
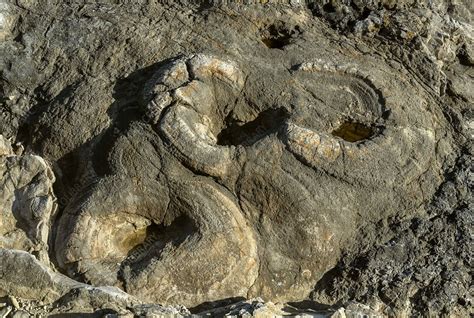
{"points": [[200, 154], [27, 201]]}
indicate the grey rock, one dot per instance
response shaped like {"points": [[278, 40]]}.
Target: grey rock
{"points": [[32, 278], [5, 147], [303, 153], [410, 262], [160, 311]]}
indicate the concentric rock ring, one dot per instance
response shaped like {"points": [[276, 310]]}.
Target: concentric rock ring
{"points": [[184, 199], [218, 259], [158, 240], [193, 120], [321, 149]]}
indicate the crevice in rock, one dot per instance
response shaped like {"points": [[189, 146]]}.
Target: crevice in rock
{"points": [[463, 56], [277, 36], [209, 305]]}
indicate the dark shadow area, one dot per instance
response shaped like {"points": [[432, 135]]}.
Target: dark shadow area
{"points": [[97, 314], [327, 281], [148, 246], [463, 56], [308, 306], [335, 276], [215, 304], [354, 132], [267, 122], [29, 123], [127, 108], [329, 8], [205, 5], [360, 16], [278, 36]]}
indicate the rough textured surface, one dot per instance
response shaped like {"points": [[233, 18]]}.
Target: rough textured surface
{"points": [[27, 201], [200, 155]]}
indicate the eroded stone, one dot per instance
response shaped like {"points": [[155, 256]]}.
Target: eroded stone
{"points": [[28, 202]]}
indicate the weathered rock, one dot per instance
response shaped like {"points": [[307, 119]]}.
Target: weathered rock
{"points": [[27, 201], [5, 311], [20, 314], [258, 308], [33, 280], [250, 308], [192, 123], [8, 19], [264, 167], [141, 237], [406, 270], [207, 152], [160, 311], [31, 277], [5, 147]]}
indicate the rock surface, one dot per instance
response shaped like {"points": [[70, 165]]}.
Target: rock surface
{"points": [[252, 160], [27, 202]]}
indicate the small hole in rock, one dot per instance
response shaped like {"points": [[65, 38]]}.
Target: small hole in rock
{"points": [[328, 7], [266, 123], [353, 132], [276, 37], [157, 236], [463, 56]]}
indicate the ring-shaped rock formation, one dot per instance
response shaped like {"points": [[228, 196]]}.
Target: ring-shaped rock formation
{"points": [[190, 216]]}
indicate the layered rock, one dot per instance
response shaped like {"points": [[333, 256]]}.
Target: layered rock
{"points": [[142, 232], [25, 278], [242, 185], [203, 153], [27, 202]]}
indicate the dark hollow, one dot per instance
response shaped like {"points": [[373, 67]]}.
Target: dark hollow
{"points": [[277, 38], [266, 123], [353, 132]]}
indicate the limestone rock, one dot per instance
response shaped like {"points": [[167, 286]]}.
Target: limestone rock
{"points": [[8, 19], [207, 154], [32, 278], [140, 237], [5, 147], [27, 201]]}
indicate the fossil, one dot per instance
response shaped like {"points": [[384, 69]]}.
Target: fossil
{"points": [[195, 154]]}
